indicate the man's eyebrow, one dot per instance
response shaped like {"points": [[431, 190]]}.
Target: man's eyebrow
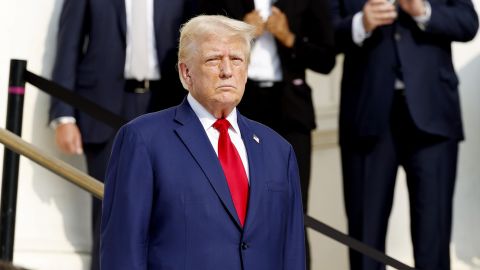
{"points": [[239, 54], [212, 54]]}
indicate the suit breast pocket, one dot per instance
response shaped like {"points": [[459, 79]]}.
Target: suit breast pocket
{"points": [[277, 196], [276, 204], [274, 186]]}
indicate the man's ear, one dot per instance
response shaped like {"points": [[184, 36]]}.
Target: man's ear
{"points": [[185, 73]]}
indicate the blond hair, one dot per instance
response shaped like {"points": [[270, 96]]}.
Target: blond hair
{"points": [[199, 27]]}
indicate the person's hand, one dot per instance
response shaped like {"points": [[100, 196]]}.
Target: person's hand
{"points": [[254, 18], [69, 139], [277, 24], [378, 13], [413, 7]]}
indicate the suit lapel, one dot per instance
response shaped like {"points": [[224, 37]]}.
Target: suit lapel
{"points": [[192, 134], [253, 145], [121, 17]]}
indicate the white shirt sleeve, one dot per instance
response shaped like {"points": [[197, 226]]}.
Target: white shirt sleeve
{"points": [[358, 30], [62, 120], [423, 20]]}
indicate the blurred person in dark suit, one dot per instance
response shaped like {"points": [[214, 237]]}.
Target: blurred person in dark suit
{"points": [[120, 54], [400, 107], [292, 36]]}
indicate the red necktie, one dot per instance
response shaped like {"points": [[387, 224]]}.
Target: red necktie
{"points": [[233, 168]]}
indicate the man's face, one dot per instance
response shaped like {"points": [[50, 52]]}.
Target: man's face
{"points": [[217, 73]]}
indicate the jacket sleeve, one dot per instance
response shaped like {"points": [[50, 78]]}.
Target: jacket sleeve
{"points": [[454, 20], [314, 45], [294, 248], [71, 38], [127, 204], [342, 25]]}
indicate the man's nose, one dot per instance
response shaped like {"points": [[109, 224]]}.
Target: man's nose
{"points": [[226, 68]]}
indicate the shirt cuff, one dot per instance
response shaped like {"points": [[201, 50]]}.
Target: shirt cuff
{"points": [[423, 20], [358, 30], [62, 120]]}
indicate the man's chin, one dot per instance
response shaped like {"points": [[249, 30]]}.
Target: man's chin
{"points": [[228, 102]]}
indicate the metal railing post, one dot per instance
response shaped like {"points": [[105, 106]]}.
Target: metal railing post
{"points": [[16, 92]]}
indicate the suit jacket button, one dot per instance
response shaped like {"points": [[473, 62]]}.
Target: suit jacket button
{"points": [[244, 245], [397, 36]]}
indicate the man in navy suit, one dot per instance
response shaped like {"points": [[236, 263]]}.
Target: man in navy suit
{"points": [[400, 107], [120, 54], [169, 201]]}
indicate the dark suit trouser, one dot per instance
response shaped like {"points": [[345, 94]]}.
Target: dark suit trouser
{"points": [[369, 173], [97, 156], [262, 104]]}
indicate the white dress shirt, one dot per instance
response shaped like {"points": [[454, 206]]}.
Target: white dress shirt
{"points": [[153, 66], [264, 60], [207, 120]]}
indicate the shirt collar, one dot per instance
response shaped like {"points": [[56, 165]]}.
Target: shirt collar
{"points": [[207, 119]]}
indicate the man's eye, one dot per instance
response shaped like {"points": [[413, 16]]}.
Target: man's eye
{"points": [[237, 61], [212, 61]]}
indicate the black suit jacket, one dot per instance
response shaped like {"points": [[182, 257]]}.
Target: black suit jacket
{"points": [[422, 58], [310, 21], [90, 56]]}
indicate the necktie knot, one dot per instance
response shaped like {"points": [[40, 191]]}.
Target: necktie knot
{"points": [[221, 125]]}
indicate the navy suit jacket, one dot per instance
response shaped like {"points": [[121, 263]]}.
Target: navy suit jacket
{"points": [[90, 58], [422, 57], [167, 204]]}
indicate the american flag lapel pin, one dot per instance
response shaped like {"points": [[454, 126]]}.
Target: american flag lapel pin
{"points": [[256, 138]]}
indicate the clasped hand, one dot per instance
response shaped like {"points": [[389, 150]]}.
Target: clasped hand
{"points": [[382, 12], [276, 24]]}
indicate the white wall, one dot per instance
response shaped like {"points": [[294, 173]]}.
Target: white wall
{"points": [[53, 216]]}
